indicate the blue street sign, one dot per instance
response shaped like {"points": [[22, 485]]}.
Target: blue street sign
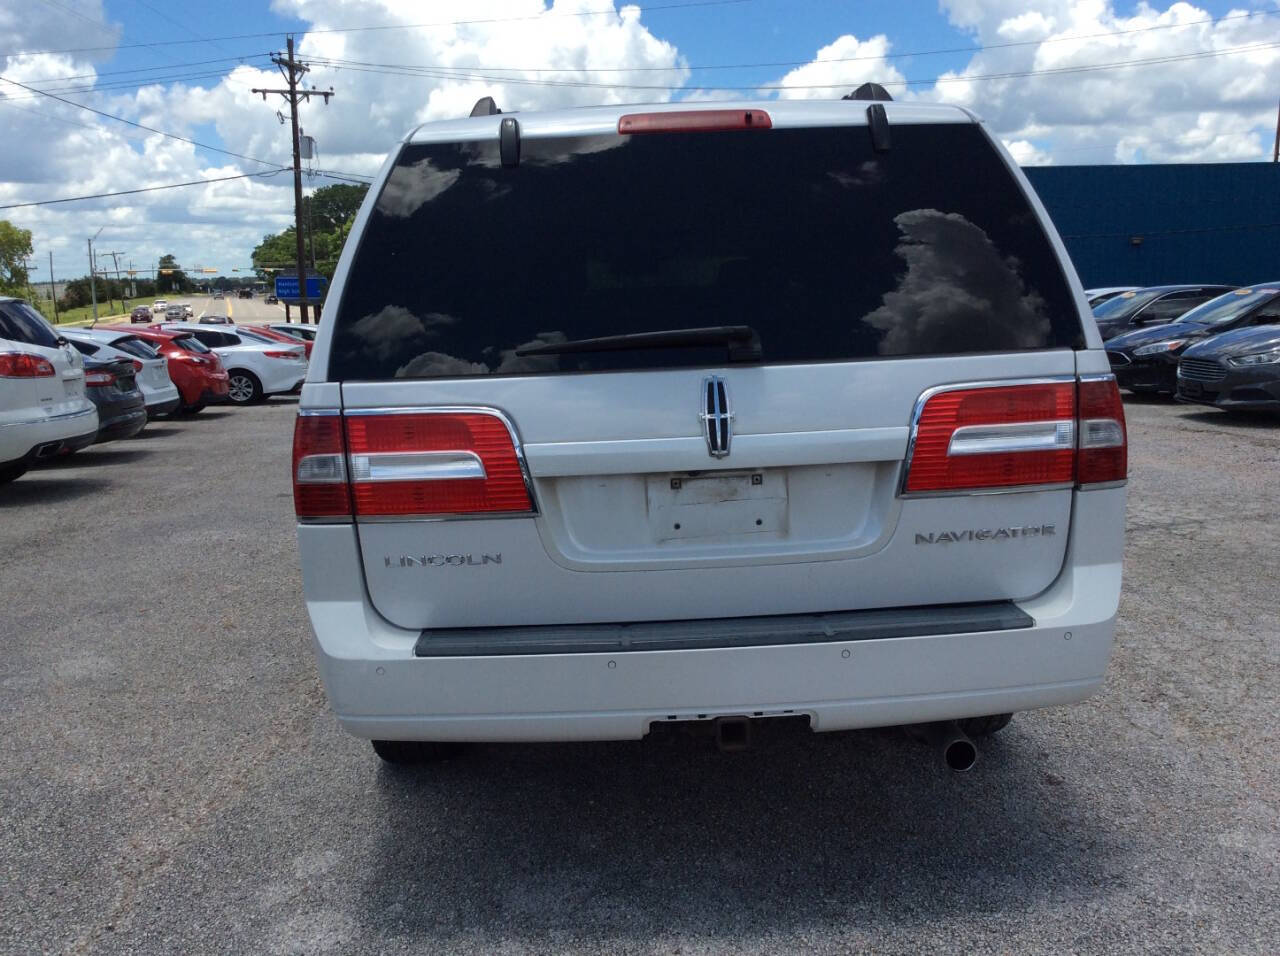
{"points": [[287, 288]]}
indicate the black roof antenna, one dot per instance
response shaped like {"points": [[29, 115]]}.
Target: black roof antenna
{"points": [[485, 106], [867, 91]]}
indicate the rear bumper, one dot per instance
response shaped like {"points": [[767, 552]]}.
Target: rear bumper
{"points": [[25, 439], [380, 689], [122, 419]]}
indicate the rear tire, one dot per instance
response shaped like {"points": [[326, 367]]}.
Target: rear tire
{"points": [[10, 472], [984, 726], [243, 387], [414, 752]]}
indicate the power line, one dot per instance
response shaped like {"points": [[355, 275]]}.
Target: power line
{"points": [[138, 125], [124, 85], [842, 59], [550, 14], [145, 189], [459, 73], [153, 69]]}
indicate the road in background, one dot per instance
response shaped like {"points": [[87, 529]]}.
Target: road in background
{"points": [[173, 781]]}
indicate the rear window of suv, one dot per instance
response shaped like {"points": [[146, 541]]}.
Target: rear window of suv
{"points": [[19, 322], [829, 250]]}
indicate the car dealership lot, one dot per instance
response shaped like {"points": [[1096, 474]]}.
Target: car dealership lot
{"points": [[173, 782]]}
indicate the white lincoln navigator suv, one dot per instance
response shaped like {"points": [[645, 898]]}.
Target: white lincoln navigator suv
{"points": [[628, 415]]}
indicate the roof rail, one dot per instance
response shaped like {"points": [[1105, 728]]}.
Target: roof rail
{"points": [[485, 106], [867, 91]]}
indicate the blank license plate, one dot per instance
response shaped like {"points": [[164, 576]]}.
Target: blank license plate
{"points": [[718, 505]]}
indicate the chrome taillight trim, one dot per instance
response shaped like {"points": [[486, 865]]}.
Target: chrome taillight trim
{"points": [[1057, 435], [416, 466]]}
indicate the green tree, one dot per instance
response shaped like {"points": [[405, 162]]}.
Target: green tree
{"points": [[15, 247], [332, 206], [169, 275]]}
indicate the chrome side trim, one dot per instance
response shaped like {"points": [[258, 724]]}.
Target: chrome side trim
{"points": [[455, 410], [61, 417], [1012, 437], [1103, 485], [314, 412], [977, 492], [416, 466], [476, 516], [918, 410]]}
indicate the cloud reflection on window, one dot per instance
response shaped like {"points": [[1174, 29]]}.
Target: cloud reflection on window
{"points": [[959, 294], [409, 188]]}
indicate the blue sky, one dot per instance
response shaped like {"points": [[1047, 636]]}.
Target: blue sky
{"points": [[1203, 90]]}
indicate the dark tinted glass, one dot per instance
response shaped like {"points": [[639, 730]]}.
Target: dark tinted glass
{"points": [[136, 347], [191, 344], [84, 348], [826, 248], [1125, 304], [21, 323]]}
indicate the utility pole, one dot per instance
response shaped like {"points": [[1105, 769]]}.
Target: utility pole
{"points": [[1275, 150], [53, 296], [124, 305], [292, 69], [93, 287], [311, 236]]}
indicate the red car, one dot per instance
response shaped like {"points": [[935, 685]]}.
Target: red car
{"points": [[196, 370], [266, 332]]}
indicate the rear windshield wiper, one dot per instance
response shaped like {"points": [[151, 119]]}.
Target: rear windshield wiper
{"points": [[742, 340]]}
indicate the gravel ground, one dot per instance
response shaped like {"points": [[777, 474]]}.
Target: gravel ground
{"points": [[172, 781]]}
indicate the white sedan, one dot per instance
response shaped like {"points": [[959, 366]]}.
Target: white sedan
{"points": [[255, 369], [158, 390], [43, 407]]}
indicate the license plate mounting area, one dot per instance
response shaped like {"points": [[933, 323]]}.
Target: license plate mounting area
{"points": [[716, 504]]}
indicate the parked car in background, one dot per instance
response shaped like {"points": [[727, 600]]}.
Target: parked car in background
{"points": [[255, 368], [152, 368], [1235, 371], [306, 333], [269, 334], [1146, 360], [1151, 306], [215, 320], [194, 369], [140, 314], [272, 300], [111, 385], [245, 294], [43, 406], [1102, 294]]}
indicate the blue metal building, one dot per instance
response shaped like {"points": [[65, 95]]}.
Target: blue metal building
{"points": [[1155, 224]]}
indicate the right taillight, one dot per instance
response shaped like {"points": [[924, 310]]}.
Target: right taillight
{"points": [[1019, 435], [1103, 454], [438, 463], [24, 365]]}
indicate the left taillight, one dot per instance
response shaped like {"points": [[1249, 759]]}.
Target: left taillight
{"points": [[24, 365], [441, 463], [97, 378], [320, 467], [1032, 435]]}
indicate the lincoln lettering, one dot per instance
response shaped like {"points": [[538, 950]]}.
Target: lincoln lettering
{"points": [[986, 534], [441, 560]]}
